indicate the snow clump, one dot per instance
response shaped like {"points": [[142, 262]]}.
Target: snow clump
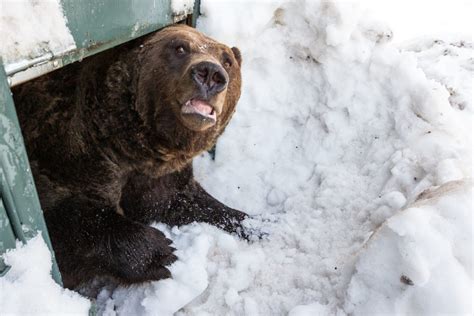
{"points": [[28, 289]]}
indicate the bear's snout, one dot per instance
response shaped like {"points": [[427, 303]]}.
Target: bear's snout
{"points": [[210, 78]]}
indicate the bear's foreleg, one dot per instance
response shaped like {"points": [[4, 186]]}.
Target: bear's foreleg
{"points": [[195, 204], [177, 199], [90, 239]]}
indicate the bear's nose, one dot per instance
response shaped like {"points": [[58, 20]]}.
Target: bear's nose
{"points": [[211, 78]]}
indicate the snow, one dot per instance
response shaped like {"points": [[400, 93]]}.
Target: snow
{"points": [[413, 18], [30, 29], [160, 298], [309, 310], [353, 155], [182, 6], [28, 289], [428, 244]]}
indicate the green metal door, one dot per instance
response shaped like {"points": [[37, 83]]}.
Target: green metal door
{"points": [[20, 212]]}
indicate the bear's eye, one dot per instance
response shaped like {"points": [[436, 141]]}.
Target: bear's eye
{"points": [[227, 63], [180, 50]]}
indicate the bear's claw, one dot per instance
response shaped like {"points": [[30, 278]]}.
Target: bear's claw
{"points": [[142, 255]]}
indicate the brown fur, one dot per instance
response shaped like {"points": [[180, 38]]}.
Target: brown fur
{"points": [[111, 152]]}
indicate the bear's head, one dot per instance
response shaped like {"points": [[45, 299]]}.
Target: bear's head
{"points": [[188, 83]]}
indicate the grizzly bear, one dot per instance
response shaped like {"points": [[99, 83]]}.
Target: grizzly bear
{"points": [[111, 142]]}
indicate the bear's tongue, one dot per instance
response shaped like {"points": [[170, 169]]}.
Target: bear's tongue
{"points": [[199, 107]]}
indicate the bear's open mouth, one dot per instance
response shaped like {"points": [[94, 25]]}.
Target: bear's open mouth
{"points": [[199, 107]]}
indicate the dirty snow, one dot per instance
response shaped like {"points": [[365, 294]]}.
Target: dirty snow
{"points": [[31, 29], [354, 159]]}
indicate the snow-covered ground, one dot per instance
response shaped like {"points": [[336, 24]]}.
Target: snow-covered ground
{"points": [[353, 156]]}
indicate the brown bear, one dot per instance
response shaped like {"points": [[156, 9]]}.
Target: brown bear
{"points": [[111, 142]]}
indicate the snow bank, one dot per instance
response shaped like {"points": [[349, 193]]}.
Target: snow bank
{"points": [[419, 262], [447, 60], [336, 131], [31, 29], [28, 289]]}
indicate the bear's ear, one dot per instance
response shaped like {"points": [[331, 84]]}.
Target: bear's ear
{"points": [[237, 54]]}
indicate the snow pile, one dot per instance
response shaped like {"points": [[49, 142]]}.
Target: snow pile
{"points": [[449, 61], [28, 289], [31, 29], [419, 262]]}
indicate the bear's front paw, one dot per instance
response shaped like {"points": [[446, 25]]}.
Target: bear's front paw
{"points": [[141, 254]]}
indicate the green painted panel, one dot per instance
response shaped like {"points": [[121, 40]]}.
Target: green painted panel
{"points": [[99, 25], [17, 189], [7, 237], [102, 24], [95, 22]]}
